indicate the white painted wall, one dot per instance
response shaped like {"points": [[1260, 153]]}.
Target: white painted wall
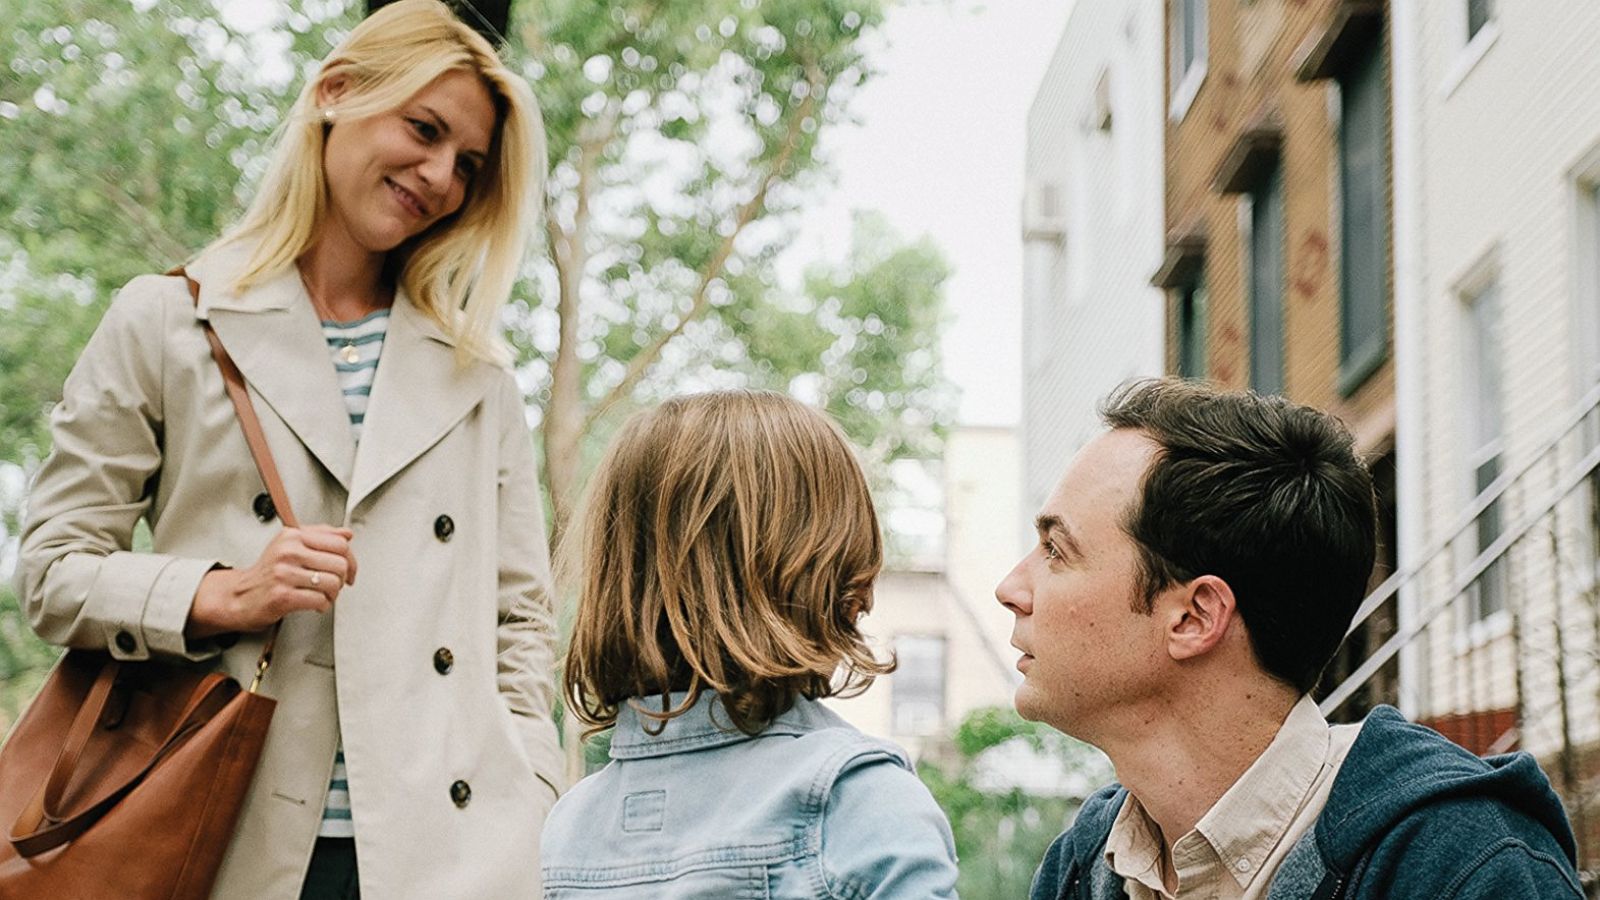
{"points": [[1507, 136], [981, 476], [1090, 317]]}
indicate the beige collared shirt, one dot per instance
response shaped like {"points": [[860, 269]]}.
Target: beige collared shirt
{"points": [[1239, 843]]}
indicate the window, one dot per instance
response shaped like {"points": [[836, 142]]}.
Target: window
{"points": [[1479, 13], [1484, 409], [1192, 328], [1589, 340], [1189, 50], [917, 685], [1266, 285], [1586, 329], [1363, 261]]}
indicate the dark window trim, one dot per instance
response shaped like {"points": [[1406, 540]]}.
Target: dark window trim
{"points": [[1345, 33], [1271, 186], [1252, 159], [1362, 364], [1359, 362]]}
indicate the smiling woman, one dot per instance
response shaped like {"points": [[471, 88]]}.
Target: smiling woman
{"points": [[392, 175], [413, 728]]}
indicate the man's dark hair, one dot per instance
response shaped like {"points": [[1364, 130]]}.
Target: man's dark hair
{"points": [[1265, 494]]}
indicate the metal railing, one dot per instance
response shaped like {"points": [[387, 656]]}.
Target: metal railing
{"points": [[1492, 633]]}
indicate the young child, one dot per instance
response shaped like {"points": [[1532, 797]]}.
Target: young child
{"points": [[727, 547]]}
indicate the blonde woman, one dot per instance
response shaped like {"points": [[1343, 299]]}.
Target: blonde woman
{"points": [[728, 548], [359, 297]]}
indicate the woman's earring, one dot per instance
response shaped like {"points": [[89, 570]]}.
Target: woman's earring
{"points": [[327, 115]]}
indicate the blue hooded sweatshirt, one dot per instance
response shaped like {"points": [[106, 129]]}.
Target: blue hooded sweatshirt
{"points": [[1410, 816]]}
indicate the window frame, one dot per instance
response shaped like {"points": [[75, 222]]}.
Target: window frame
{"points": [[1267, 205], [902, 706], [1482, 353], [1193, 317], [1185, 75], [1360, 357]]}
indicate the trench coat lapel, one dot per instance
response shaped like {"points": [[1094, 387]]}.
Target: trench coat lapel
{"points": [[273, 335], [418, 394]]}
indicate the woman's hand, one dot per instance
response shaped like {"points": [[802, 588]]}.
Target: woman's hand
{"points": [[303, 568]]}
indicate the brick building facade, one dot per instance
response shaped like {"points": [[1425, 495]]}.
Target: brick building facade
{"points": [[1277, 264]]}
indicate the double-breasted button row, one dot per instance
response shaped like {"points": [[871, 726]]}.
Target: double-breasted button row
{"points": [[444, 528], [443, 660], [461, 794], [263, 507]]}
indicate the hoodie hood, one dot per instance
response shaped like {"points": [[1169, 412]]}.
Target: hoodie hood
{"points": [[1396, 768]]}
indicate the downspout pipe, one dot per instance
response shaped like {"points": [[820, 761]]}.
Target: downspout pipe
{"points": [[1410, 346]]}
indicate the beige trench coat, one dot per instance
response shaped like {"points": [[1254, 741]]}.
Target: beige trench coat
{"points": [[450, 543]]}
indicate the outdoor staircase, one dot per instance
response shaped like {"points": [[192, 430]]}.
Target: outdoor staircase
{"points": [[1491, 634]]}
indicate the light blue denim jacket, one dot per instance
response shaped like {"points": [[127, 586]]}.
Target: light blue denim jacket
{"points": [[810, 807]]}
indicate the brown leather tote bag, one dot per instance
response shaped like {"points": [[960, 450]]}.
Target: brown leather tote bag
{"points": [[125, 779]]}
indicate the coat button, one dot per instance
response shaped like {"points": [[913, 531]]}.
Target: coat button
{"points": [[263, 507], [461, 793], [443, 660], [444, 527], [126, 642]]}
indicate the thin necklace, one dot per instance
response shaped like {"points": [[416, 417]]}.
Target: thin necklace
{"points": [[348, 352]]}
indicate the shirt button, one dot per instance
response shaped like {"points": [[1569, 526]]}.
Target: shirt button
{"points": [[264, 508], [461, 794], [1242, 866], [443, 660], [444, 528], [126, 642]]}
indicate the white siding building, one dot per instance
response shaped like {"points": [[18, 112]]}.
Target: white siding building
{"points": [[951, 636], [1497, 256], [1092, 230]]}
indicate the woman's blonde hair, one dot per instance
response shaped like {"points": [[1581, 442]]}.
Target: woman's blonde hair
{"points": [[460, 272], [728, 543]]}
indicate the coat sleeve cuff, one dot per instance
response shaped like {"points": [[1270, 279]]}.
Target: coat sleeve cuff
{"points": [[166, 609]]}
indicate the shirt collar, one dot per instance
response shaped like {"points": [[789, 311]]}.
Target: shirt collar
{"points": [[1246, 823], [1132, 848], [704, 725], [1252, 817]]}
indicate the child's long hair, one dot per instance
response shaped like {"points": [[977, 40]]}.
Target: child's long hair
{"points": [[727, 543]]}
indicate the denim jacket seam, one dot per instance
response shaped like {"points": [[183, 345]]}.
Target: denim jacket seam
{"points": [[822, 787]]}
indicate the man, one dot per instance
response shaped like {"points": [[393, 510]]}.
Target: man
{"points": [[1196, 569]]}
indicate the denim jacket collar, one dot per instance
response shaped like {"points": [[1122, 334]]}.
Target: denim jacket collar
{"points": [[702, 726]]}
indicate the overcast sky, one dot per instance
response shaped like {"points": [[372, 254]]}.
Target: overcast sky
{"points": [[939, 151]]}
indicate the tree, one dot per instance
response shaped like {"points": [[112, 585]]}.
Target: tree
{"points": [[1009, 787], [683, 136], [683, 139]]}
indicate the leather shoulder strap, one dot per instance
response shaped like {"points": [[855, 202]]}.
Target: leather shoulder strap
{"points": [[246, 411]]}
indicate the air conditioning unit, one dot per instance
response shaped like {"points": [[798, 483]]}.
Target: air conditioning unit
{"points": [[1044, 214]]}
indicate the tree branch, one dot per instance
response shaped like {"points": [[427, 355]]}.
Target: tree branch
{"points": [[156, 238], [747, 213]]}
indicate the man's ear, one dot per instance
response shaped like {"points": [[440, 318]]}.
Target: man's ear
{"points": [[1199, 615]]}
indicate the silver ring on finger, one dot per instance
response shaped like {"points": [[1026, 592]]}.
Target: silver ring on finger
{"points": [[316, 578]]}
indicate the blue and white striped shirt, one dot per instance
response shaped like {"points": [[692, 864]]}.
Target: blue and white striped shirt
{"points": [[355, 347]]}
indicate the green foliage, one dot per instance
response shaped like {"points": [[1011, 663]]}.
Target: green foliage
{"points": [[1001, 826], [24, 660], [683, 139], [47, 321], [126, 126]]}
